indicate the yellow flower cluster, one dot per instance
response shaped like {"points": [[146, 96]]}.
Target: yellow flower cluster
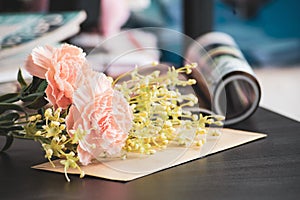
{"points": [[51, 133], [159, 114], [160, 118]]}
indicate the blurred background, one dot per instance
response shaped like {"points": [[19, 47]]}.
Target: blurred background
{"points": [[267, 32]]}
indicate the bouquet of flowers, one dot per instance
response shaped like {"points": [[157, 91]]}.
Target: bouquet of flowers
{"points": [[79, 115]]}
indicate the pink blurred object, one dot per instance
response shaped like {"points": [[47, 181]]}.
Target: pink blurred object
{"points": [[114, 13], [39, 5]]}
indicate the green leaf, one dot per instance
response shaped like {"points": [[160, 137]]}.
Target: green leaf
{"points": [[38, 103], [8, 119], [32, 97], [34, 85], [10, 128], [21, 79], [10, 97], [42, 87], [36, 89], [6, 123], [10, 116], [10, 106]]}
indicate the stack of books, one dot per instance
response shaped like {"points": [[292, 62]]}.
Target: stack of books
{"points": [[21, 32]]}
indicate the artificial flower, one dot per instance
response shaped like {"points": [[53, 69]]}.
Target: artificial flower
{"points": [[103, 114], [39, 61], [94, 116], [61, 67]]}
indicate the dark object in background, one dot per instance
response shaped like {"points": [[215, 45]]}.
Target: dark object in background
{"points": [[91, 7], [198, 17], [24, 5], [12, 6], [246, 8]]}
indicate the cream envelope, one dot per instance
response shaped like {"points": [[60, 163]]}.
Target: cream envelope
{"points": [[139, 166]]}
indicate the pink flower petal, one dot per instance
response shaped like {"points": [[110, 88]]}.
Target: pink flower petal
{"points": [[104, 113], [39, 61], [61, 67], [84, 156]]}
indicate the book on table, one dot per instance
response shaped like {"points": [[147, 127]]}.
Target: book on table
{"points": [[21, 32]]}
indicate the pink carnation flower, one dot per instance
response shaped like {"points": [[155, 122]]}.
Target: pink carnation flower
{"points": [[104, 115], [61, 67]]}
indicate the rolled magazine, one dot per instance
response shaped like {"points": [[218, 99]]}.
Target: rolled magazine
{"points": [[226, 84]]}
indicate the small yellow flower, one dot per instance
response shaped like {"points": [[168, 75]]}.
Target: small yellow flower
{"points": [[32, 118], [48, 113], [54, 123], [49, 153], [38, 133], [191, 82]]}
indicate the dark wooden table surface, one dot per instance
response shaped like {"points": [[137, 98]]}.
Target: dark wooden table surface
{"points": [[265, 169]]}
